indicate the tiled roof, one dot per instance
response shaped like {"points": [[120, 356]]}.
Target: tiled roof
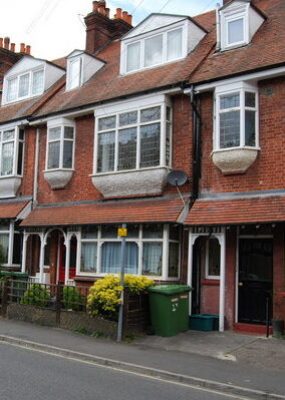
{"points": [[240, 211], [11, 210], [156, 210], [266, 48]]}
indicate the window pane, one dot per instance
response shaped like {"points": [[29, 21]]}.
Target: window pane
{"points": [[174, 232], [129, 118], [17, 249], [167, 143], [109, 231], [47, 252], [214, 257], [154, 231], [132, 256], [111, 257], [74, 73], [89, 232], [4, 227], [24, 82], [229, 101], [230, 129], [150, 145], [152, 259], [38, 82], [54, 133], [9, 135], [7, 159], [174, 44], [88, 257], [67, 154], [150, 114], [250, 99], [249, 128], [127, 148], [173, 263], [236, 31], [4, 246], [53, 155], [21, 134], [153, 51], [133, 231], [12, 89], [133, 57], [107, 123], [106, 152], [20, 158], [68, 132]]}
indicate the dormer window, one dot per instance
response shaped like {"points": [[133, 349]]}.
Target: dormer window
{"points": [[80, 67], [238, 23], [25, 85], [172, 39]]}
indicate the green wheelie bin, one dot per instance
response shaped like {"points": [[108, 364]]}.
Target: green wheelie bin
{"points": [[169, 309]]}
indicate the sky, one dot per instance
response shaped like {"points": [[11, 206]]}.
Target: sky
{"points": [[54, 28]]}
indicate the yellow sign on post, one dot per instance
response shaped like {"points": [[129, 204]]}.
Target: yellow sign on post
{"points": [[122, 232]]}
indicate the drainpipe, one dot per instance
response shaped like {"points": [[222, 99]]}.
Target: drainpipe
{"points": [[218, 27], [196, 155], [36, 169]]}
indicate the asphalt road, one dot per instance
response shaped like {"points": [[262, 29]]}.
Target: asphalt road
{"points": [[31, 375]]}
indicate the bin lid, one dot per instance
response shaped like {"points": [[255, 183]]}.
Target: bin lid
{"points": [[169, 290]]}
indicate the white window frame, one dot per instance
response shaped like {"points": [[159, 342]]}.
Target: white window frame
{"points": [[129, 106], [16, 142], [71, 61], [183, 25], [11, 231], [61, 123], [207, 261], [232, 14], [241, 88], [139, 240], [30, 91]]}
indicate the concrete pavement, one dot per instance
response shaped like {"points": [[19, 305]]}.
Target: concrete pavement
{"points": [[226, 361]]}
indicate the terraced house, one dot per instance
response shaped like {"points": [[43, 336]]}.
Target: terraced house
{"points": [[88, 141]]}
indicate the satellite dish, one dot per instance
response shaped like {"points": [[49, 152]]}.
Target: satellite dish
{"points": [[177, 178]]}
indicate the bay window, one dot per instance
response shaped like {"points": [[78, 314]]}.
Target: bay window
{"points": [[60, 147], [237, 119], [133, 139], [25, 85], [11, 152], [151, 250]]}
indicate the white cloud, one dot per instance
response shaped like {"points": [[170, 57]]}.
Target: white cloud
{"points": [[55, 27]]}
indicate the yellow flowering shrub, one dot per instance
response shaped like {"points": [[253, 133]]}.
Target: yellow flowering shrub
{"points": [[104, 296]]}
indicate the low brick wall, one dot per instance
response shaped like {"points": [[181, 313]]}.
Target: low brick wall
{"points": [[29, 313]]}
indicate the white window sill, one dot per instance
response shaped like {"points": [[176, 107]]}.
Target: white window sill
{"points": [[9, 186], [149, 181], [58, 178], [235, 160]]}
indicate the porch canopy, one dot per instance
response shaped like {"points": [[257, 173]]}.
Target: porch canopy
{"points": [[237, 211], [12, 210], [124, 211]]}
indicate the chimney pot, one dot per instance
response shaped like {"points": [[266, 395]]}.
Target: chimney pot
{"points": [[22, 48], [1, 42], [124, 16], [12, 47], [129, 19], [118, 13], [28, 49], [6, 43], [95, 6], [107, 12]]}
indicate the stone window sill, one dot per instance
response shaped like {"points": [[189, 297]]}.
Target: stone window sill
{"points": [[58, 179], [9, 186]]}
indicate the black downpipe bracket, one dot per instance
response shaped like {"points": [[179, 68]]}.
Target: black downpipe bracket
{"points": [[196, 153]]}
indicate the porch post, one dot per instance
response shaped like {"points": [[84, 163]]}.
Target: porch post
{"points": [[222, 241], [42, 252], [192, 239], [67, 257], [24, 253]]}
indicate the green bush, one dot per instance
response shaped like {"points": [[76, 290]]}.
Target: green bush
{"points": [[36, 295], [104, 296], [72, 299]]}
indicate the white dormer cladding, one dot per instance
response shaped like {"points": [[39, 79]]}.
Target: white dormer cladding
{"points": [[80, 67], [158, 40], [238, 22], [28, 78]]}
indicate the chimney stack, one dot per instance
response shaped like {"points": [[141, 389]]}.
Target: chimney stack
{"points": [[101, 29], [6, 43]]}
